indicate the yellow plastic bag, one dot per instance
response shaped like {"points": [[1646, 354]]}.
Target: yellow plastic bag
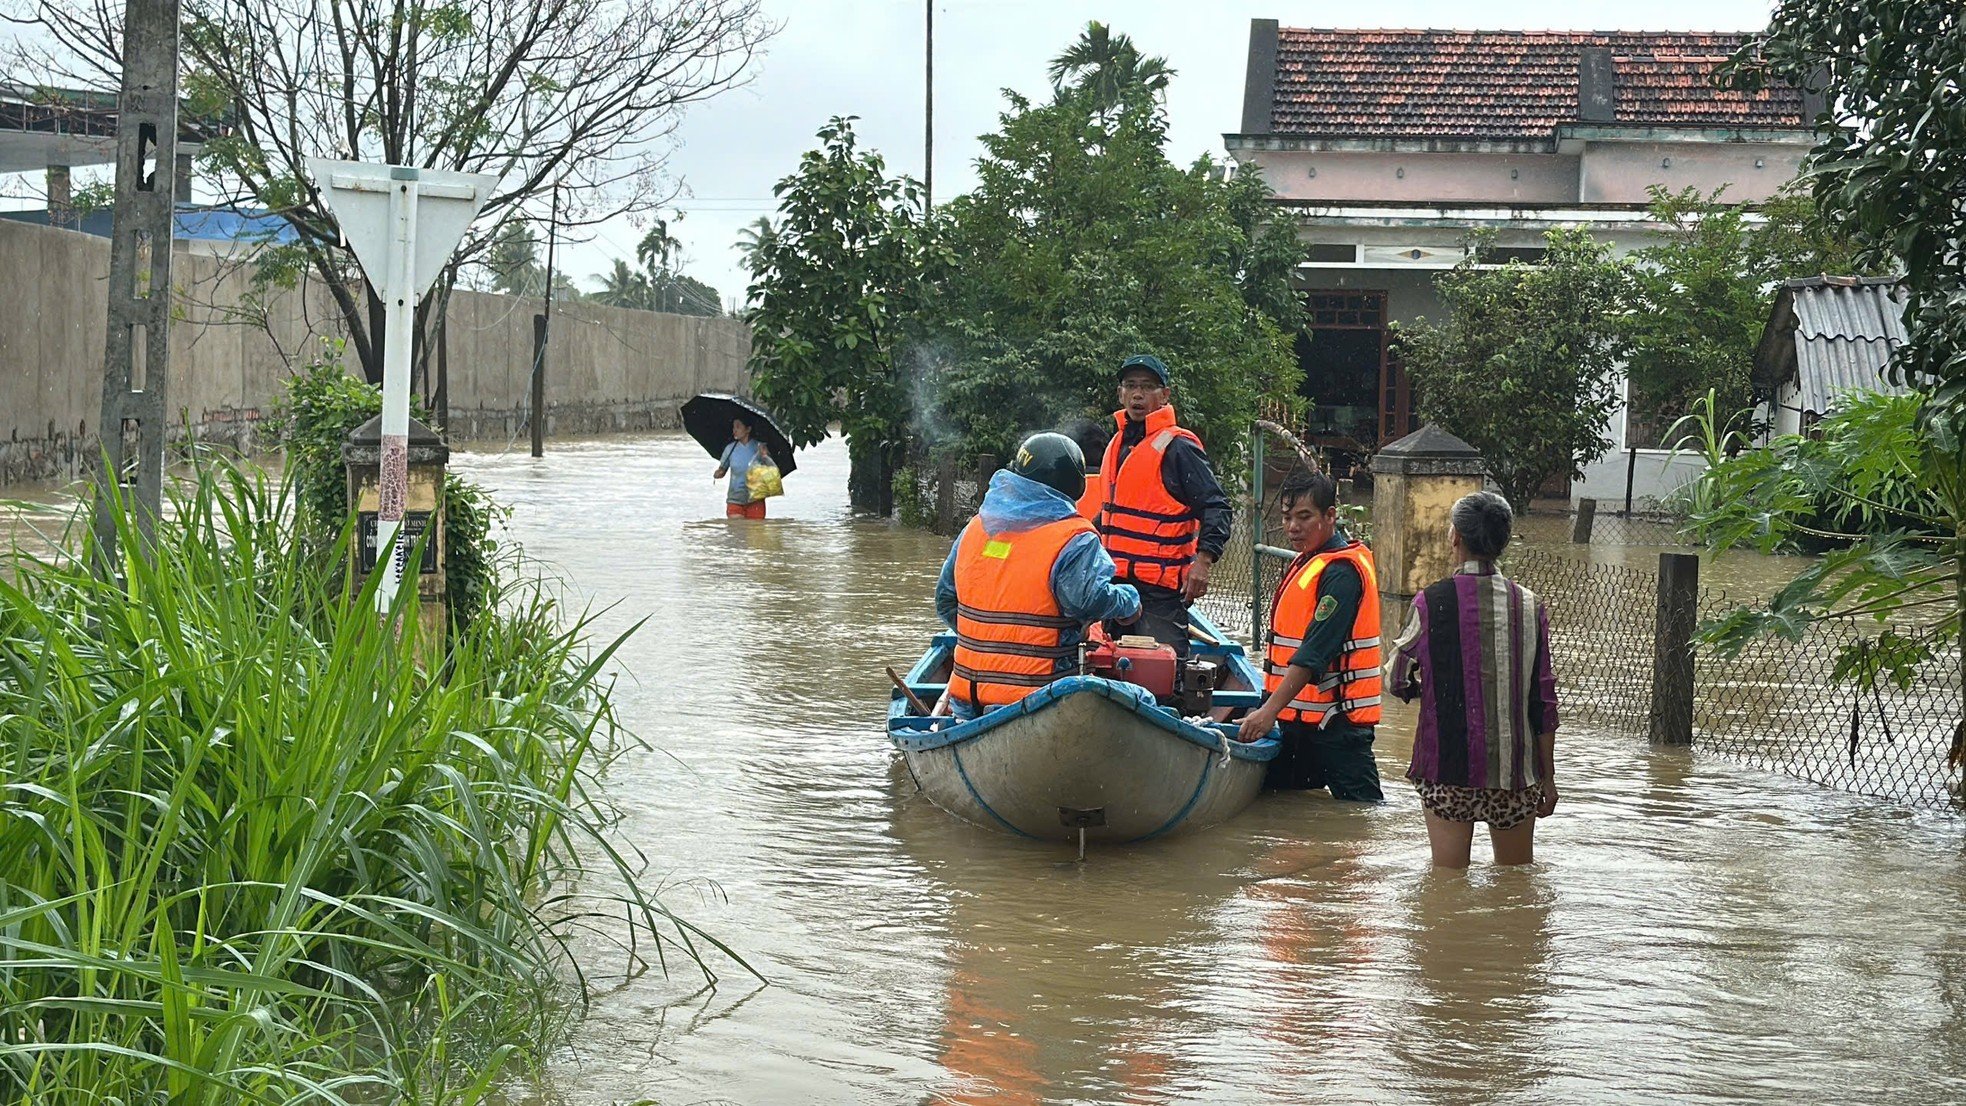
{"points": [[764, 481]]}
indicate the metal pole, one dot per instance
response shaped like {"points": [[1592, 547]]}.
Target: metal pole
{"points": [[399, 317], [1256, 536], [928, 111], [1672, 649], [136, 360], [1631, 477], [541, 324]]}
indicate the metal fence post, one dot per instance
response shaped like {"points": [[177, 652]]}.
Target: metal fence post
{"points": [[1672, 649], [1255, 534], [945, 494], [1631, 478], [1580, 530]]}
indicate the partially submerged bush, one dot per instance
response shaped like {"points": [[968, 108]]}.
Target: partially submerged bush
{"points": [[250, 852]]}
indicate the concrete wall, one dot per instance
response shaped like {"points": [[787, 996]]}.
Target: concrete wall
{"points": [[1620, 173], [607, 368], [1444, 178]]}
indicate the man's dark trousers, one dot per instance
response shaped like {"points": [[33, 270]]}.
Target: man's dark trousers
{"points": [[1338, 757]]}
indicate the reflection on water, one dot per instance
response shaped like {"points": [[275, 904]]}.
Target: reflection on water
{"points": [[1696, 932]]}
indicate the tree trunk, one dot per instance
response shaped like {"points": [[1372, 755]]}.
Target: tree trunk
{"points": [[870, 478]]}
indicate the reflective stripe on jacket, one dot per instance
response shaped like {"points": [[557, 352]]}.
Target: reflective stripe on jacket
{"points": [[1151, 535], [1011, 636], [1352, 685]]}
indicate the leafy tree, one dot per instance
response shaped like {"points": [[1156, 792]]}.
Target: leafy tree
{"points": [[835, 288], [1887, 173], [514, 268], [1525, 368], [1702, 293], [1105, 68], [1082, 244], [656, 286], [576, 94]]}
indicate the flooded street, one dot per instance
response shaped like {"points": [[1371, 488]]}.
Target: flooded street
{"points": [[1696, 932]]}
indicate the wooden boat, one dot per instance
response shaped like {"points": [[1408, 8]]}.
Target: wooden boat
{"points": [[1085, 758]]}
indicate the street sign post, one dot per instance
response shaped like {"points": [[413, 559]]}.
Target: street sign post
{"points": [[403, 224]]}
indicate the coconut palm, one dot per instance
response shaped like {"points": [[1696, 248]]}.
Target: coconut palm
{"points": [[1102, 65], [624, 287]]}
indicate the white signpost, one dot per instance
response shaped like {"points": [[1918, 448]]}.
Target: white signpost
{"points": [[403, 224]]}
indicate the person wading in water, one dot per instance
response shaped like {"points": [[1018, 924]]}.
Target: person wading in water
{"points": [[1321, 668], [1476, 653], [736, 462], [1165, 519]]}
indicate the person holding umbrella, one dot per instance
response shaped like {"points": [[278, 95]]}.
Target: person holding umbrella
{"points": [[736, 460], [740, 435]]}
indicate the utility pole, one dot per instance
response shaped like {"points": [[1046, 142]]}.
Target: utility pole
{"points": [[928, 113], [136, 362], [540, 323]]}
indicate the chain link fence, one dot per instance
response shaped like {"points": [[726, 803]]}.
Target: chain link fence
{"points": [[1774, 705]]}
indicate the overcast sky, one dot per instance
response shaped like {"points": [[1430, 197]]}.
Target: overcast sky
{"points": [[864, 58]]}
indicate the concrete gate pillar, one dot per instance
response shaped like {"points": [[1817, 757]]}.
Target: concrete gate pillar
{"points": [[423, 513], [1415, 482]]}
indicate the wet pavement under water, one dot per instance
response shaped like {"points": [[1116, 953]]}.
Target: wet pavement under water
{"points": [[1694, 931]]}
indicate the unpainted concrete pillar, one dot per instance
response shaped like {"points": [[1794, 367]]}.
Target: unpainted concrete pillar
{"points": [[1415, 482], [61, 196]]}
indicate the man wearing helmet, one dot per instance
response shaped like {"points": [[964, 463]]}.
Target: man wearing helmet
{"points": [[1165, 520], [1023, 580]]}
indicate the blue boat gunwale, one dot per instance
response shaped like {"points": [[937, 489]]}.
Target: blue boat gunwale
{"points": [[911, 733]]}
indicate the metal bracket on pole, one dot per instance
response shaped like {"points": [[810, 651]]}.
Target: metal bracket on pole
{"points": [[403, 224], [136, 362]]}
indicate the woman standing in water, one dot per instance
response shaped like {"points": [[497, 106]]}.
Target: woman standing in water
{"points": [[738, 457], [1476, 651]]}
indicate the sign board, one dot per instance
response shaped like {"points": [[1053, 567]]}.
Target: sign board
{"points": [[369, 545], [357, 195]]}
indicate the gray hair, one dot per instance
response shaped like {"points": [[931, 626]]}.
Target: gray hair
{"points": [[1483, 520]]}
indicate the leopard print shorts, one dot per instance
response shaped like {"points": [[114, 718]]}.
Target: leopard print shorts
{"points": [[1500, 807]]}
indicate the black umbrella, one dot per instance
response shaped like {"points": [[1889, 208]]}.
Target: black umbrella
{"points": [[708, 416]]}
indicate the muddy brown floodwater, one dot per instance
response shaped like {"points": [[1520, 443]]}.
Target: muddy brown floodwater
{"points": [[1696, 932]]}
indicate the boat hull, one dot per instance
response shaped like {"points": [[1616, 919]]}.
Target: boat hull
{"points": [[1083, 753]]}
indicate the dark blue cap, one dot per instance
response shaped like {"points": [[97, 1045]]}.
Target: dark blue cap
{"points": [[1146, 361]]}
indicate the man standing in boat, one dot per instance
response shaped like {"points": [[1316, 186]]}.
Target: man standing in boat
{"points": [[1023, 580], [1165, 520], [1321, 670]]}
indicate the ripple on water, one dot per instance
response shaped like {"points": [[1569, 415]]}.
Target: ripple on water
{"points": [[1695, 933]]}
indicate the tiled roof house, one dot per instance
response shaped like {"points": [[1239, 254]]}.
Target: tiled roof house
{"points": [[1387, 147]]}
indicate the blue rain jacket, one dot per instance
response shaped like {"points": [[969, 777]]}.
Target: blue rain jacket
{"points": [[1081, 578]]}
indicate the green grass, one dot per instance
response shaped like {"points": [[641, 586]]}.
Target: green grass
{"points": [[251, 853]]}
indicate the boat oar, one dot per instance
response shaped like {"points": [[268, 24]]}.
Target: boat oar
{"points": [[914, 700]]}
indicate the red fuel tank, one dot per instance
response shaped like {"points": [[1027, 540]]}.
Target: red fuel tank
{"points": [[1135, 660]]}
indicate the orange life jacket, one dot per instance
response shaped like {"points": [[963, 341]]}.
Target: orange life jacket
{"points": [[1352, 685], [1094, 498], [1010, 633], [1152, 537]]}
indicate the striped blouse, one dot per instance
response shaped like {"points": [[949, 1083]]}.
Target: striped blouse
{"points": [[1476, 650]]}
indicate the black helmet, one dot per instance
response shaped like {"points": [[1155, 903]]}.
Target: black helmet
{"points": [[1054, 461]]}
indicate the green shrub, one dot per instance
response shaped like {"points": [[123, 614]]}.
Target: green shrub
{"points": [[251, 853], [322, 405]]}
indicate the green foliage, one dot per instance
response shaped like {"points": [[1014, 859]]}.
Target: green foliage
{"points": [[1702, 292], [836, 289], [1081, 245], [253, 854], [656, 286], [322, 405], [1875, 486], [1103, 70], [1526, 366], [515, 267], [1890, 162]]}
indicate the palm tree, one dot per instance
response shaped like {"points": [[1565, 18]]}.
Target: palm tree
{"points": [[1103, 65], [754, 240], [624, 287]]}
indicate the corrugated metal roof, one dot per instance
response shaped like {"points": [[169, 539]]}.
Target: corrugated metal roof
{"points": [[1844, 335]]}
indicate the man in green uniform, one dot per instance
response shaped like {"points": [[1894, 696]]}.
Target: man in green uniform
{"points": [[1322, 663]]}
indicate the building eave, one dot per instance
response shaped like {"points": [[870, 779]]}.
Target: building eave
{"points": [[1311, 143], [1572, 137], [1423, 214]]}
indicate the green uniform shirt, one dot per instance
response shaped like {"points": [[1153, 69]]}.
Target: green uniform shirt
{"points": [[1340, 590]]}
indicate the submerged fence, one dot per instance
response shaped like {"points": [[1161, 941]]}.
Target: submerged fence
{"points": [[1775, 704]]}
